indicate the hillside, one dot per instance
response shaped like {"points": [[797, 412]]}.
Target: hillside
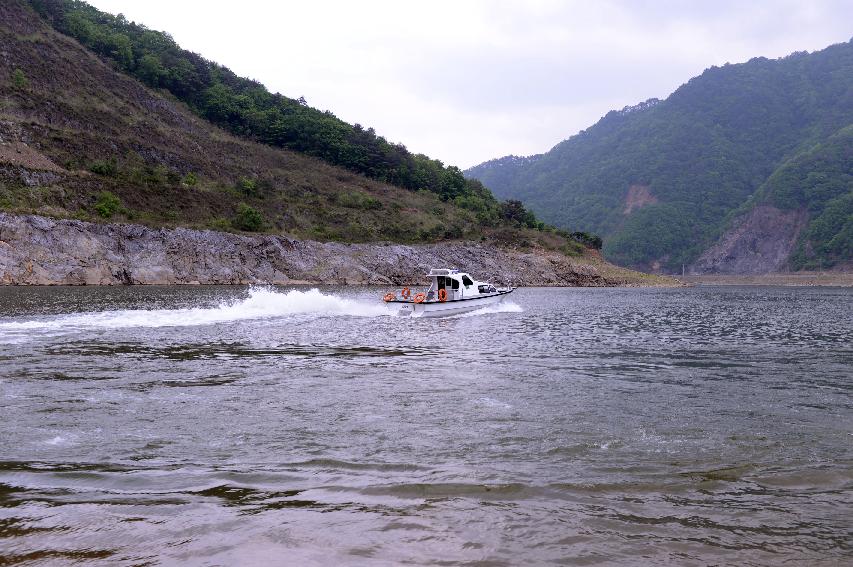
{"points": [[245, 107], [80, 138], [663, 181]]}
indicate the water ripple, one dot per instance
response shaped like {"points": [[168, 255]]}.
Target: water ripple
{"points": [[148, 426]]}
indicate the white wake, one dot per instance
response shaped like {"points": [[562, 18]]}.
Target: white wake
{"points": [[502, 307], [262, 303]]}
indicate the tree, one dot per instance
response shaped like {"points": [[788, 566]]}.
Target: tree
{"points": [[121, 50], [514, 211], [150, 69]]}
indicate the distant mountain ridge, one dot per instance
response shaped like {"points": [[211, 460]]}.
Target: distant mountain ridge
{"points": [[664, 181]]}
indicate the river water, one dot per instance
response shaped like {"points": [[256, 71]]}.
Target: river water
{"points": [[290, 426]]}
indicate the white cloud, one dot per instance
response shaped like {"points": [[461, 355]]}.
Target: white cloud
{"points": [[468, 81]]}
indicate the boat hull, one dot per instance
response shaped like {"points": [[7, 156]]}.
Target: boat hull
{"points": [[448, 308]]}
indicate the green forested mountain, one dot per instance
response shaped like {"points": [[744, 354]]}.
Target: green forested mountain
{"points": [[663, 180]]}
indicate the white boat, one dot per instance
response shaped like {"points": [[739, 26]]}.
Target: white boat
{"points": [[450, 292]]}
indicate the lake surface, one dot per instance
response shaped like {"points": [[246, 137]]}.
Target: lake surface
{"points": [[276, 426]]}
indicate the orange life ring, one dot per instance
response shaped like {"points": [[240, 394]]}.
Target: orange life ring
{"points": [[389, 297], [419, 298], [442, 295], [406, 293]]}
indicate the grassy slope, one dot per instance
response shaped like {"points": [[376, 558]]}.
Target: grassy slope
{"points": [[70, 107], [246, 108], [701, 154]]}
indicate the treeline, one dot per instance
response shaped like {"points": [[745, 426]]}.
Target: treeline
{"points": [[246, 108]]}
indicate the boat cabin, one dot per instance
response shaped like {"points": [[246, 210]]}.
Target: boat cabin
{"points": [[457, 285], [450, 292]]}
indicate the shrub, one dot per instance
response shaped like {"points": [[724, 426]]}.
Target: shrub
{"points": [[248, 218], [190, 179], [108, 167], [453, 232], [358, 201], [430, 234], [587, 239], [371, 203], [247, 186], [107, 204], [220, 224], [573, 248], [19, 80], [156, 175], [355, 231], [487, 217]]}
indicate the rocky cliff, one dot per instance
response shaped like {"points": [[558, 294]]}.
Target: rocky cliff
{"points": [[760, 242], [37, 250]]}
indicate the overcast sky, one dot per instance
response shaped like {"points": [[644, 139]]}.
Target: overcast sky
{"points": [[469, 80]]}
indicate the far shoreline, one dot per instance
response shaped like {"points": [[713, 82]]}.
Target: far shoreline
{"points": [[789, 279]]}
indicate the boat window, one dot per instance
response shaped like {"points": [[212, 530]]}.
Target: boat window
{"points": [[440, 280], [466, 280], [455, 283]]}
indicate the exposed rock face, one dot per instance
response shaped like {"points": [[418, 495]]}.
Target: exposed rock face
{"points": [[638, 197], [38, 250], [759, 243]]}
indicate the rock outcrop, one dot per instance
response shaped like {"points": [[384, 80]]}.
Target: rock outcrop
{"points": [[760, 242], [36, 250]]}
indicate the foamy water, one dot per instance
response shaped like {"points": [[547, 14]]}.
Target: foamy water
{"points": [[261, 303]]}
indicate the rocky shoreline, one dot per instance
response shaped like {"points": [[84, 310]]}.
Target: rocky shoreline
{"points": [[37, 250]]}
